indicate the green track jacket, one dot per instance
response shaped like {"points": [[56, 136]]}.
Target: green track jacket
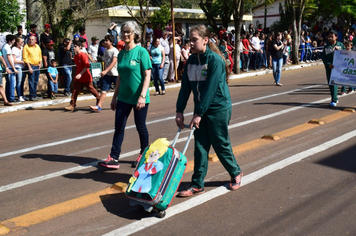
{"points": [[328, 53], [205, 75]]}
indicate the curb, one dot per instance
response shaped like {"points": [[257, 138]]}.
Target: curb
{"points": [[45, 103]]}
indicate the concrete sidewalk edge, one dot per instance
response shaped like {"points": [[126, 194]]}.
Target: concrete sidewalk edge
{"points": [[45, 103]]}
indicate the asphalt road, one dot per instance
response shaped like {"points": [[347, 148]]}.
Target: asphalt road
{"points": [[301, 183]]}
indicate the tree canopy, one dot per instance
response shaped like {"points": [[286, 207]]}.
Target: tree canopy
{"points": [[10, 15]]}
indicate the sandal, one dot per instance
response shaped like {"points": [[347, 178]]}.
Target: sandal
{"points": [[163, 92], [7, 104], [157, 93]]}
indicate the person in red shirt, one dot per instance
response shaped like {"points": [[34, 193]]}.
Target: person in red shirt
{"points": [[83, 77], [246, 52]]}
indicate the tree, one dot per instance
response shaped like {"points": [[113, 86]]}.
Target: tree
{"points": [[66, 16], [142, 18], [10, 15], [296, 9], [284, 22], [344, 10], [161, 16], [238, 13], [210, 9]]}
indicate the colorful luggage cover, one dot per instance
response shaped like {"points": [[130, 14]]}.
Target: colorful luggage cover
{"points": [[158, 175]]}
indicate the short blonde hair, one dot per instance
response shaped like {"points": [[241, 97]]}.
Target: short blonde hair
{"points": [[160, 145]]}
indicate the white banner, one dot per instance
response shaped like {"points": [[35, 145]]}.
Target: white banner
{"points": [[344, 72]]}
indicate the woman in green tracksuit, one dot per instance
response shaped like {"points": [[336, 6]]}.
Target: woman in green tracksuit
{"points": [[205, 73]]}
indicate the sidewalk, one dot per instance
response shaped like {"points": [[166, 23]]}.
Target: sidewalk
{"points": [[49, 102]]}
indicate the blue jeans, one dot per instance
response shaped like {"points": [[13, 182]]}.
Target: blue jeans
{"points": [[10, 85], [158, 76], [264, 57], [33, 81], [53, 87], [123, 111], [302, 52], [308, 53], [67, 71], [277, 69], [246, 64], [257, 58], [20, 81], [106, 82]]}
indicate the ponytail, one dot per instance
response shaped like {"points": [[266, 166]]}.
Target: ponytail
{"points": [[215, 49]]}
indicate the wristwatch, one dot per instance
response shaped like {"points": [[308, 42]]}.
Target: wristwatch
{"points": [[143, 96]]}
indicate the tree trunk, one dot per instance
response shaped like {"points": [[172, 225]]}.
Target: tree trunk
{"points": [[296, 8], [238, 15], [34, 14]]}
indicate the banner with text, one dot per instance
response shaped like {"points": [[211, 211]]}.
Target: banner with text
{"points": [[344, 72]]}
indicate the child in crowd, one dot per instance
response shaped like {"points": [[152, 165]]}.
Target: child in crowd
{"points": [[53, 75], [348, 47], [286, 52], [316, 52]]}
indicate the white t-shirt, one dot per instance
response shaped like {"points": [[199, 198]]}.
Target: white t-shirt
{"points": [[83, 49], [149, 31], [93, 51], [18, 54], [6, 50], [165, 45], [109, 54], [255, 42], [2, 40], [185, 53]]}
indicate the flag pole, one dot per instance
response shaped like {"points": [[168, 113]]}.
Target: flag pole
{"points": [[174, 42]]}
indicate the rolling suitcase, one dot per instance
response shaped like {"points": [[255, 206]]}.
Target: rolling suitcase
{"points": [[157, 176]]}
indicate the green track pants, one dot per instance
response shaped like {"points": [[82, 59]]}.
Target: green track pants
{"points": [[213, 131]]}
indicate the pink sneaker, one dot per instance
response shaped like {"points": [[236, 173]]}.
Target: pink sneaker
{"points": [[191, 191], [235, 182], [137, 161], [110, 163]]}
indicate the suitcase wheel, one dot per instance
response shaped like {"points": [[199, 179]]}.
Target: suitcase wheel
{"points": [[161, 214]]}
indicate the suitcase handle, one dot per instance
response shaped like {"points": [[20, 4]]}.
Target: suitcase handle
{"points": [[189, 137]]}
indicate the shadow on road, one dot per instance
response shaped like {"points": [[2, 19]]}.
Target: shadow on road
{"points": [[345, 160], [309, 105], [62, 158], [101, 175], [84, 110]]}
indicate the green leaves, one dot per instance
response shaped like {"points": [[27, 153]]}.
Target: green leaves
{"points": [[10, 15], [162, 16]]}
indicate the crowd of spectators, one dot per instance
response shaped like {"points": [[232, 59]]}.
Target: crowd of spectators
{"points": [[26, 55]]}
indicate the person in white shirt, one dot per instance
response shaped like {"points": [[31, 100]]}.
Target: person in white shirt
{"points": [[93, 49], [17, 50], [9, 59], [149, 31], [257, 51], [165, 44], [172, 69], [109, 75], [2, 39]]}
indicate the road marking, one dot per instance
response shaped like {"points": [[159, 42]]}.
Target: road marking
{"points": [[200, 199], [57, 210], [93, 164], [90, 199], [133, 126]]}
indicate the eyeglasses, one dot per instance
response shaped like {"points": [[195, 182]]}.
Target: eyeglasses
{"points": [[127, 33]]}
